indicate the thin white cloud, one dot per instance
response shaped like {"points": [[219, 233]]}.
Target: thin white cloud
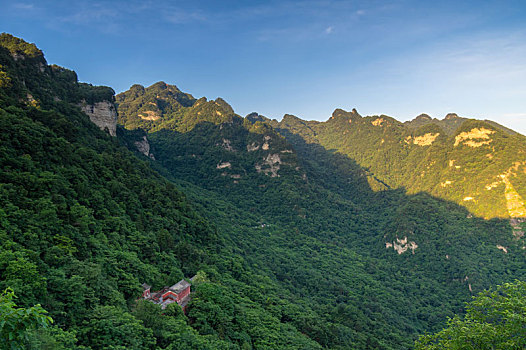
{"points": [[107, 17], [481, 76], [23, 6], [179, 16], [294, 19], [91, 15]]}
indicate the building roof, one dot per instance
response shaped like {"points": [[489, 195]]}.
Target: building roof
{"points": [[175, 289], [179, 286]]}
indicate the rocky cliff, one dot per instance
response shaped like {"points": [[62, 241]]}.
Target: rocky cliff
{"points": [[102, 114], [143, 146]]}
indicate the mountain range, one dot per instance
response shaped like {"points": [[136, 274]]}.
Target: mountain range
{"points": [[357, 232]]}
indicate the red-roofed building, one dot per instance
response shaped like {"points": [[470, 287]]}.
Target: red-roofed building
{"points": [[178, 293]]}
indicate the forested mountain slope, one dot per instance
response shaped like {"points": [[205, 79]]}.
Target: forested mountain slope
{"points": [[84, 222], [291, 246], [477, 164], [386, 263]]}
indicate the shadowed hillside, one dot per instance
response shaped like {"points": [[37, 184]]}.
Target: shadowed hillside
{"points": [[477, 164], [294, 243], [324, 228]]}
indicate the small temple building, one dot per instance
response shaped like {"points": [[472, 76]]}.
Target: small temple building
{"points": [[178, 293]]}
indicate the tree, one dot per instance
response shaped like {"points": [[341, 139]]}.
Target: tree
{"points": [[16, 322], [494, 320], [110, 327]]}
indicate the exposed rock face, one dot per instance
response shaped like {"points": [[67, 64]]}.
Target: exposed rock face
{"points": [[270, 165], [224, 165], [227, 144], [149, 115], [515, 204], [18, 56], [252, 147], [143, 146], [474, 138], [103, 115], [504, 249], [378, 122], [426, 140], [402, 245]]}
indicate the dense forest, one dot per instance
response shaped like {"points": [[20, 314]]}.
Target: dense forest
{"points": [[297, 238], [477, 164]]}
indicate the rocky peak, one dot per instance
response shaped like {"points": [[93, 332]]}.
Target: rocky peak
{"points": [[255, 117], [201, 100], [20, 49], [289, 118], [137, 90], [159, 85], [224, 105], [450, 116], [339, 113], [423, 117]]}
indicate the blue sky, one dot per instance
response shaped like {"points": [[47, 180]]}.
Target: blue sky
{"points": [[306, 58]]}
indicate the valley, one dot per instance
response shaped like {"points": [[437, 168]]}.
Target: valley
{"points": [[357, 232]]}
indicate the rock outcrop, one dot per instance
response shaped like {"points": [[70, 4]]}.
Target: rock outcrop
{"points": [[102, 114], [474, 138], [425, 140], [270, 165], [143, 146], [224, 165], [402, 245]]}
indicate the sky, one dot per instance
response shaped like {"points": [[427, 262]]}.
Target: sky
{"points": [[399, 58]]}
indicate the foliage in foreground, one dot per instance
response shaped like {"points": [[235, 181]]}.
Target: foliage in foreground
{"points": [[295, 261], [15, 322], [494, 320]]}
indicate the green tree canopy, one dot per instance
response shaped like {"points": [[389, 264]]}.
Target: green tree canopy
{"points": [[16, 322], [494, 320]]}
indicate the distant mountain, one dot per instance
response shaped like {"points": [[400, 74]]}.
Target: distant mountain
{"points": [[478, 164], [450, 123], [340, 181], [163, 106], [300, 234], [213, 146]]}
